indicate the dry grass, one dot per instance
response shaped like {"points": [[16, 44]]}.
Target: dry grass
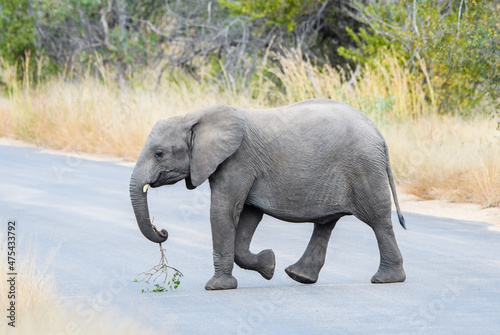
{"points": [[434, 157], [38, 310], [98, 116], [33, 284], [447, 158], [387, 93]]}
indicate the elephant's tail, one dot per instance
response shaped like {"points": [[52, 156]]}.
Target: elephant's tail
{"points": [[393, 187]]}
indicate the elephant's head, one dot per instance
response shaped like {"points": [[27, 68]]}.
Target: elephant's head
{"points": [[189, 147]]}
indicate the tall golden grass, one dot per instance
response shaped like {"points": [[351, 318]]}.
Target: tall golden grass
{"points": [[38, 311], [447, 158], [98, 116], [433, 156], [387, 92]]}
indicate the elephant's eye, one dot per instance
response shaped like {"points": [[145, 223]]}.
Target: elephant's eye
{"points": [[158, 153]]}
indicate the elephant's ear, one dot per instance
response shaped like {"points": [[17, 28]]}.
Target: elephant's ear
{"points": [[216, 133]]}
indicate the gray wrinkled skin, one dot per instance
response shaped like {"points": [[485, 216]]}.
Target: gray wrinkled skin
{"points": [[313, 161]]}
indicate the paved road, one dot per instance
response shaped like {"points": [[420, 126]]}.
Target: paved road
{"points": [[79, 211]]}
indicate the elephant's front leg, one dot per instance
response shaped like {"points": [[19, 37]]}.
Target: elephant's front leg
{"points": [[224, 213]]}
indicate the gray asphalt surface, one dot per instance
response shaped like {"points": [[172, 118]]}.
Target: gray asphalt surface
{"points": [[79, 212]]}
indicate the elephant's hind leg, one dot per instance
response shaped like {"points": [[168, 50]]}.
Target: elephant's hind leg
{"points": [[264, 261], [307, 269], [373, 207], [391, 262]]}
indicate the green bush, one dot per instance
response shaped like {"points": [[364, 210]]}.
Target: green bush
{"points": [[274, 12], [452, 46], [17, 39]]}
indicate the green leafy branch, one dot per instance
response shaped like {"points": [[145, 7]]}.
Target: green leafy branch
{"points": [[161, 269]]}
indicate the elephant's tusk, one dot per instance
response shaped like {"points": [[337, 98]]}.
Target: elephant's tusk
{"points": [[145, 188]]}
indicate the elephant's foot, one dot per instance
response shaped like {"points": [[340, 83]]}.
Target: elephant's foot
{"points": [[302, 273], [224, 282], [267, 263], [394, 274]]}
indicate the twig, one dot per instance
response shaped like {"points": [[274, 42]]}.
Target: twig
{"points": [[158, 270], [459, 15], [104, 12]]}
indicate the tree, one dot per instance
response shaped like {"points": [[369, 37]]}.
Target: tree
{"points": [[112, 30], [454, 46], [17, 39]]}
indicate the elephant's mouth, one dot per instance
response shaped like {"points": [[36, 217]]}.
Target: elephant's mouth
{"points": [[168, 178]]}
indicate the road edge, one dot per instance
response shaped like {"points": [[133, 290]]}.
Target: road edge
{"points": [[408, 202]]}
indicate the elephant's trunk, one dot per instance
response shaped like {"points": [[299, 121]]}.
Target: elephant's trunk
{"points": [[138, 196]]}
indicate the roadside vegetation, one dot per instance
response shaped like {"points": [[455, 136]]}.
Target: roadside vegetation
{"points": [[435, 156], [38, 311], [427, 73]]}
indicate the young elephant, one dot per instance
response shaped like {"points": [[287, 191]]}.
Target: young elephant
{"points": [[313, 161]]}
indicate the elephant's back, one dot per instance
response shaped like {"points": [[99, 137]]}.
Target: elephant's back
{"points": [[314, 137], [317, 121], [330, 111]]}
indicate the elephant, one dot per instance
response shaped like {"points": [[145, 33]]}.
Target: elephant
{"points": [[313, 161]]}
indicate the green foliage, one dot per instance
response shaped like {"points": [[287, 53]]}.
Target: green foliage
{"points": [[159, 270], [18, 32], [157, 288], [452, 46], [175, 281], [172, 284], [89, 32], [274, 12], [370, 47], [474, 50], [124, 40]]}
